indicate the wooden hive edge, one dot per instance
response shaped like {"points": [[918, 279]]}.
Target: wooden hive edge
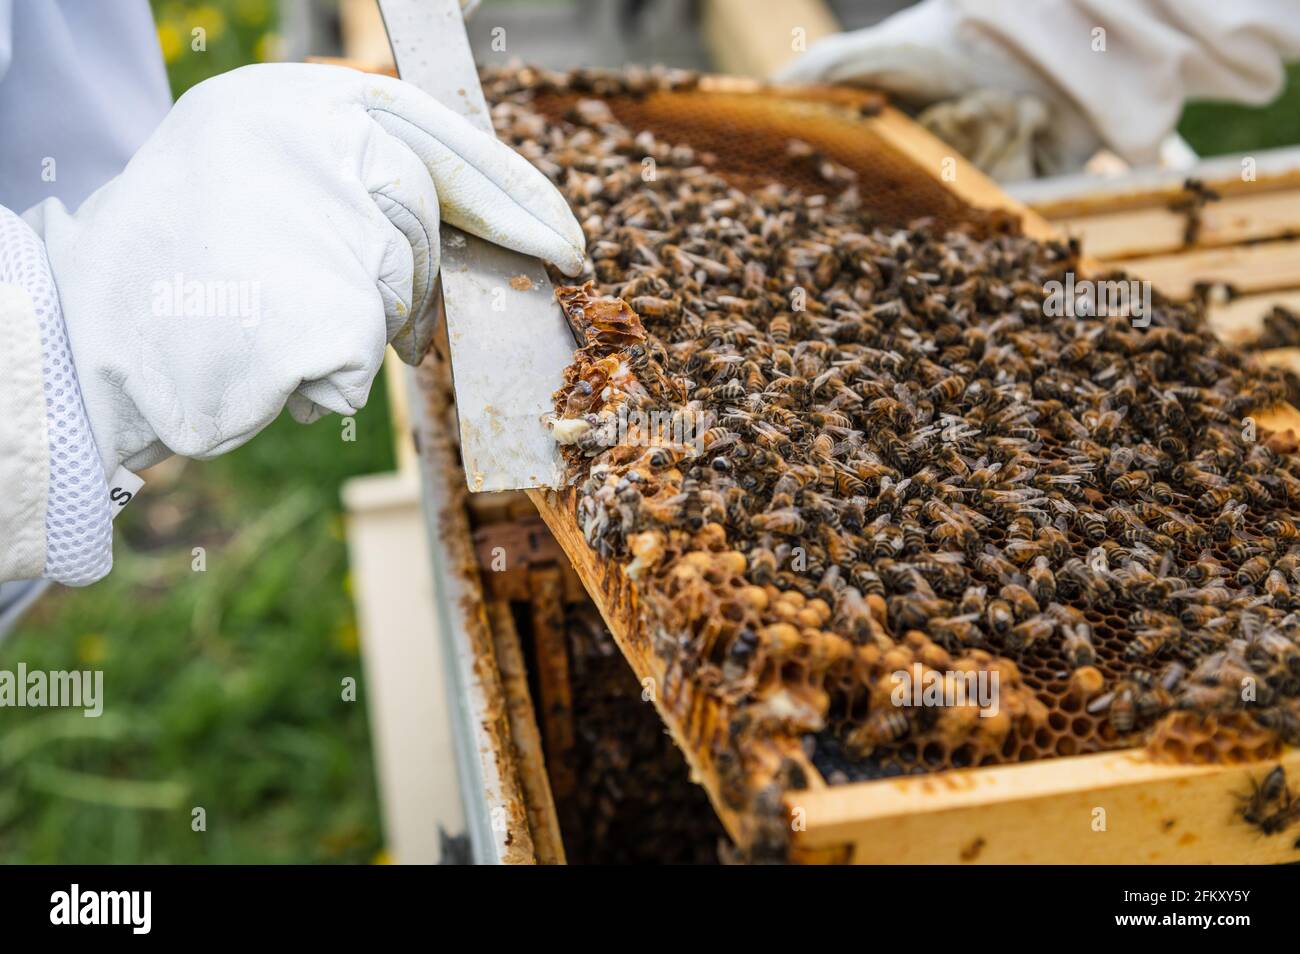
{"points": [[1110, 807], [1107, 196]]}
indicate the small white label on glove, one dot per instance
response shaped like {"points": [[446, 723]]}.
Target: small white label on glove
{"points": [[122, 489]]}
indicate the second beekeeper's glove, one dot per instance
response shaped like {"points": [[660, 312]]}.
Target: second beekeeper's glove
{"points": [[1042, 85], [276, 231], [972, 88]]}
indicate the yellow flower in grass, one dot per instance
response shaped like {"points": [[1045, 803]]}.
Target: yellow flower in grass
{"points": [[345, 636], [169, 38], [210, 19], [252, 12], [267, 48], [92, 648]]}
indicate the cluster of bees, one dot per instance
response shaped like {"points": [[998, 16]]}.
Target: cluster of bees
{"points": [[633, 801], [899, 464]]}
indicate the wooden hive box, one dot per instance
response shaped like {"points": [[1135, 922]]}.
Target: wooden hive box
{"points": [[1110, 807]]}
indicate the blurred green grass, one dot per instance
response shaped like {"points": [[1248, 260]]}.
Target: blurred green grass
{"points": [[1216, 129], [222, 688]]}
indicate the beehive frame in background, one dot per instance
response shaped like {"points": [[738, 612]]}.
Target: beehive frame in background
{"points": [[1246, 239]]}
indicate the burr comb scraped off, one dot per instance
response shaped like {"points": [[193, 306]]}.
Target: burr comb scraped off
{"points": [[509, 342]]}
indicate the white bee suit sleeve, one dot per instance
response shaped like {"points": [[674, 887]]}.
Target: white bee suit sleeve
{"points": [[82, 85], [54, 504], [1110, 72]]}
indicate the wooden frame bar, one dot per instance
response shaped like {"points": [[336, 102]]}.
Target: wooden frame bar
{"points": [[1111, 807]]}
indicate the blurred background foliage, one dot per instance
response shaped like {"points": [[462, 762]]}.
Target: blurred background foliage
{"points": [[1216, 129], [223, 687], [235, 32]]}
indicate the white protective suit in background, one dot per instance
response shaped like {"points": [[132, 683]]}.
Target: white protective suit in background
{"points": [[1026, 87]]}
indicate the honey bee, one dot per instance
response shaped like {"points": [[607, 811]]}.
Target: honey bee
{"points": [[786, 520], [957, 632], [1253, 570], [839, 547], [1021, 528], [1075, 578], [1042, 582], [882, 727], [1131, 702], [973, 601], [1282, 528], [944, 571], [1129, 484], [1229, 520], [913, 536], [890, 412], [1077, 645], [1278, 589], [1020, 600], [913, 611], [956, 532], [1150, 618], [1092, 526], [1024, 636], [993, 565], [1289, 564], [1271, 646], [1057, 544], [1218, 499], [1269, 806], [1204, 570], [1151, 642], [1284, 721], [718, 438], [1199, 614], [1226, 670], [947, 390], [865, 578], [762, 565], [999, 616]]}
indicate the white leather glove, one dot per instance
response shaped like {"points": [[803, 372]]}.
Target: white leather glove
{"points": [[265, 243], [1109, 72]]}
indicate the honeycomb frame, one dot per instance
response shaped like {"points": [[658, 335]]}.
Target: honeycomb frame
{"points": [[697, 723]]}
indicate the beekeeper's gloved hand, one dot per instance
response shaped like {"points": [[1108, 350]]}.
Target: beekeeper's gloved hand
{"points": [[992, 106], [1055, 79], [276, 231]]}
